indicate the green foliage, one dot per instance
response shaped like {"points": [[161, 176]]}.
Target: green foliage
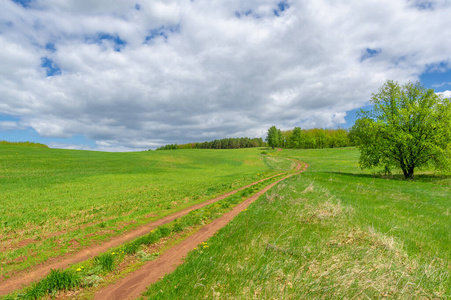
{"points": [[169, 147], [409, 127], [316, 138], [106, 261], [227, 143], [274, 138]]}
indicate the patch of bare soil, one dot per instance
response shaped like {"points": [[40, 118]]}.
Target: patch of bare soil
{"points": [[24, 278], [136, 283]]}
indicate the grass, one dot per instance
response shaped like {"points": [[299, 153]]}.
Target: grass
{"points": [[57, 201], [334, 231], [56, 281], [116, 263]]}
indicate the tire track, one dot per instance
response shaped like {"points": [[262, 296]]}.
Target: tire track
{"points": [[135, 284], [36, 273]]}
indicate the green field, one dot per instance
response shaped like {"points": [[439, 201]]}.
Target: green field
{"points": [[56, 201], [334, 231]]}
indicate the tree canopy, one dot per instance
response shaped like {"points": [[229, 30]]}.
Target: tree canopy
{"points": [[274, 137], [408, 127], [227, 143]]}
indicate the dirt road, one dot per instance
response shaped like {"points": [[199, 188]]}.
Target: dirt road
{"points": [[33, 274], [135, 284]]}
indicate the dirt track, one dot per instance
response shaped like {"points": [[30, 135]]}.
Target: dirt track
{"points": [[135, 284], [26, 277]]}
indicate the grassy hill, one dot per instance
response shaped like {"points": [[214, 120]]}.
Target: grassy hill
{"points": [[55, 201], [334, 231]]}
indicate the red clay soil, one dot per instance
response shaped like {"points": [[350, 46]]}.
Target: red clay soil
{"points": [[132, 286], [36, 273]]}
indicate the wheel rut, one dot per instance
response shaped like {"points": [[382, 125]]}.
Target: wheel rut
{"points": [[133, 285], [24, 278]]}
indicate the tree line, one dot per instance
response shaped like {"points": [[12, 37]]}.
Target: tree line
{"points": [[315, 138], [227, 143], [296, 138]]}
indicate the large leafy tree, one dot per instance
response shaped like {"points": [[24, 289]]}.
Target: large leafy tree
{"points": [[408, 127], [296, 138], [274, 137]]}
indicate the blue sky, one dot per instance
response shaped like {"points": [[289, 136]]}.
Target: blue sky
{"points": [[129, 76], [439, 81]]}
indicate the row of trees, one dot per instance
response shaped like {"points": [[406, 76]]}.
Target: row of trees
{"points": [[228, 143], [409, 127], [315, 138]]}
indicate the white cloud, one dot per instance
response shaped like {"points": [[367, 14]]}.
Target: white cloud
{"points": [[199, 70], [445, 94], [10, 125]]}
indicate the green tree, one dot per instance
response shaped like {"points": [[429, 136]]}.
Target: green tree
{"points": [[274, 137], [408, 127], [296, 137]]}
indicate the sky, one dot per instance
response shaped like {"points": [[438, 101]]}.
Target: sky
{"points": [[134, 75]]}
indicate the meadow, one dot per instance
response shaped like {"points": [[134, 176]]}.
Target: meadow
{"points": [[55, 201], [334, 231]]}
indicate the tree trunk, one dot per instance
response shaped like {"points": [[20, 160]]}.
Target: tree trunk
{"points": [[408, 172]]}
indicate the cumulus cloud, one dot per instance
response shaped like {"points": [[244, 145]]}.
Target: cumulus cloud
{"points": [[10, 125], [138, 75], [445, 94]]}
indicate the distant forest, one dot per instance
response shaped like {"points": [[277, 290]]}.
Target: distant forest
{"points": [[297, 138], [316, 138], [230, 143]]}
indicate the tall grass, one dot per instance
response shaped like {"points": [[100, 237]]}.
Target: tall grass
{"points": [[56, 281]]}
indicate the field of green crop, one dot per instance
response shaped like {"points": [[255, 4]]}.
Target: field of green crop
{"points": [[334, 231], [56, 201]]}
